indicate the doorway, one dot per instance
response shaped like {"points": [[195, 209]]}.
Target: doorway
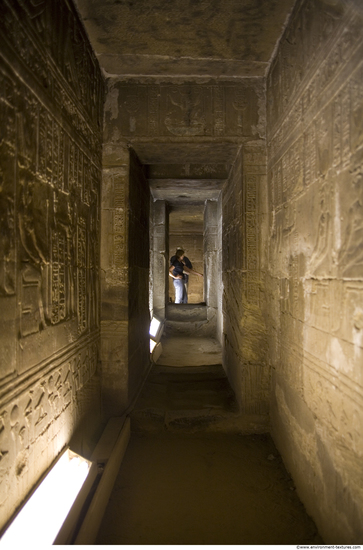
{"points": [[186, 228]]}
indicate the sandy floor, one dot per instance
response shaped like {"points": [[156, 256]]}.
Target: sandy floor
{"points": [[225, 489]]}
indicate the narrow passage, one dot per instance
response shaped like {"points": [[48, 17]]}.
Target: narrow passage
{"points": [[189, 476]]}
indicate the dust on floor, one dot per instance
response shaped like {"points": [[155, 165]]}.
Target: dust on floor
{"points": [[204, 489]]}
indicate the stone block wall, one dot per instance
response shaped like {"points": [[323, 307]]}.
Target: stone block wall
{"points": [[315, 274], [139, 316], [125, 279], [51, 103], [245, 339], [159, 258]]}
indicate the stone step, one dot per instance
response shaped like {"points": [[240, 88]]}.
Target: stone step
{"points": [[186, 312], [184, 351], [184, 398], [188, 328]]}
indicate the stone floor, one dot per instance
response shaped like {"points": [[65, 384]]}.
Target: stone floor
{"points": [[182, 351], [220, 489], [185, 400], [189, 476]]}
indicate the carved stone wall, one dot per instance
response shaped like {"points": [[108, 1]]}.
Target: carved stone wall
{"points": [[315, 276], [184, 110], [51, 99], [245, 341]]}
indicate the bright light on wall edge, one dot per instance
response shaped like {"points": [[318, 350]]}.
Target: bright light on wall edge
{"points": [[42, 516]]}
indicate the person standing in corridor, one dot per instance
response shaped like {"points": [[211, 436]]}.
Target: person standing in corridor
{"points": [[179, 270]]}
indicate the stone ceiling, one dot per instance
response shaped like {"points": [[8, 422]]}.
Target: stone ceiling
{"points": [[216, 38], [184, 41]]}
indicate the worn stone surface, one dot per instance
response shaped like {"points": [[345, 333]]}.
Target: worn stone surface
{"points": [[244, 330], [159, 258], [125, 281], [315, 269], [157, 37], [211, 490], [51, 100]]}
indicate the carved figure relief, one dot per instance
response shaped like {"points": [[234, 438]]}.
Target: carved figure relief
{"points": [[49, 179], [324, 141], [323, 232], [185, 112]]}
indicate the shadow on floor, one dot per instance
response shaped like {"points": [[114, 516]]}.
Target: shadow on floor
{"points": [[225, 489]]}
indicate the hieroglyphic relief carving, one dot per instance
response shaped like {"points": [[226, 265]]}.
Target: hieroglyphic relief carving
{"points": [[309, 155], [186, 111], [153, 109], [351, 252], [132, 106], [356, 120], [251, 247], [35, 411], [7, 226], [81, 275], [219, 111], [324, 141], [292, 60], [7, 186], [240, 104], [323, 233], [50, 156]]}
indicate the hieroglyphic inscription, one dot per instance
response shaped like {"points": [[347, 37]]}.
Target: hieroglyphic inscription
{"points": [[251, 237], [219, 111], [81, 275], [153, 111], [51, 102], [29, 422], [356, 116], [59, 268], [188, 109], [7, 187]]}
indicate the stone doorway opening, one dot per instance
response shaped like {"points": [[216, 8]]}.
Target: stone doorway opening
{"points": [[186, 228]]}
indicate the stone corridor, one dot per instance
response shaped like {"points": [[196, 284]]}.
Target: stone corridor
{"points": [[189, 476], [230, 129]]}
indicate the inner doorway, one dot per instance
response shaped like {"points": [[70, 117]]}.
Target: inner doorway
{"points": [[186, 229]]}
